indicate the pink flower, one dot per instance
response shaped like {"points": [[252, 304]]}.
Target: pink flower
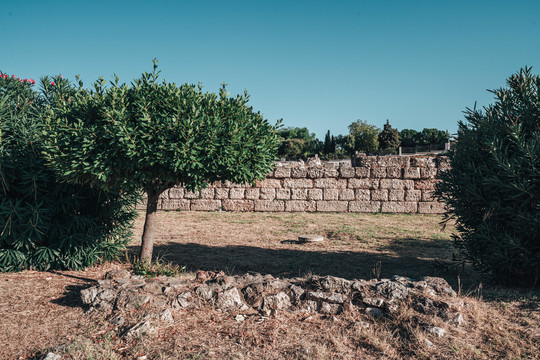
{"points": [[32, 81], [52, 83]]}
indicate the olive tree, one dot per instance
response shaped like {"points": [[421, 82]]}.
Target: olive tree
{"points": [[152, 135]]}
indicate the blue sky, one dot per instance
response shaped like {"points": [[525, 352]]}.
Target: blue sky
{"points": [[318, 64]]}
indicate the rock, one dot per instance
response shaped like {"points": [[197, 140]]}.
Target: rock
{"points": [[438, 286], [184, 300], [327, 308], [153, 288], [392, 290], [310, 238], [52, 356], [280, 301], [374, 312], [239, 318], [118, 274], [296, 292], [428, 343], [88, 295], [435, 330], [166, 316], [455, 319], [118, 320], [141, 329], [207, 292], [335, 284], [230, 299], [376, 302], [129, 300], [334, 298]]}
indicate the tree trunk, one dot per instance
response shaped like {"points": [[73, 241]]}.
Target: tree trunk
{"points": [[147, 244]]}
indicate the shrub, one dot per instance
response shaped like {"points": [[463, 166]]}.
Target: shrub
{"points": [[493, 186], [44, 223]]}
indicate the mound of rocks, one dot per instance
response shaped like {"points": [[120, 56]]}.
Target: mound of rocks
{"points": [[120, 292]]}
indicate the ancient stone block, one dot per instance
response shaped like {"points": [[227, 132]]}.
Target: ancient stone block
{"points": [[299, 194], [394, 184], [229, 184], [205, 205], [363, 183], [425, 184], [283, 194], [413, 195], [330, 194], [300, 205], [396, 195], [364, 206], [269, 205], [428, 195], [315, 194], [443, 162], [411, 173], [298, 183], [330, 172], [424, 162], [346, 194], [221, 193], [361, 172], [237, 193], [378, 173], [164, 195], [362, 194], [431, 207], [299, 172], [176, 193], [330, 183], [381, 195], [238, 205], [315, 172], [428, 173], [282, 172], [252, 193], [346, 171], [191, 195], [394, 172], [269, 183], [175, 204], [332, 206], [267, 194], [207, 193], [399, 207]]}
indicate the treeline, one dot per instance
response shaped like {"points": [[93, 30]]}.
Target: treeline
{"points": [[298, 143]]}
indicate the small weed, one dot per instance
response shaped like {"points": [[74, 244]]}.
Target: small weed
{"points": [[156, 268]]}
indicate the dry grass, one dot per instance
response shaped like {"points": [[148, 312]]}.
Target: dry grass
{"points": [[42, 311]]}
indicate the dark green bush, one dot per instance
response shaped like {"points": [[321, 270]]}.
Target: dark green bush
{"points": [[493, 186], [44, 223]]}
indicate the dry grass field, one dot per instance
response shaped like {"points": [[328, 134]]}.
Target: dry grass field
{"points": [[42, 312]]}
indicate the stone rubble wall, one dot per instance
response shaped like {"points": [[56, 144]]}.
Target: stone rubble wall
{"points": [[366, 184]]}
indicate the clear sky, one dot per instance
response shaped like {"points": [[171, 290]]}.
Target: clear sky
{"points": [[318, 64]]}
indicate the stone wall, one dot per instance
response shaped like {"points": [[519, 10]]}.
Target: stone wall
{"points": [[368, 184]]}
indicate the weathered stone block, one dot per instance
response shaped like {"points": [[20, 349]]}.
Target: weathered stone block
{"points": [[330, 194], [269, 183], [396, 184], [399, 207], [362, 194], [267, 193], [396, 195], [301, 206], [363, 183], [252, 193], [428, 195], [425, 184], [346, 194], [423, 162], [366, 161], [205, 205], [361, 172], [346, 171], [191, 195], [282, 172], [364, 206], [394, 172], [443, 162], [176, 193], [315, 172], [207, 193], [332, 206], [283, 194], [299, 194], [331, 183], [299, 172], [297, 183], [428, 173], [221, 193], [237, 193], [229, 184], [269, 205], [238, 205], [379, 195], [175, 204], [431, 207], [330, 172], [315, 194], [378, 173], [411, 173], [164, 195], [413, 195]]}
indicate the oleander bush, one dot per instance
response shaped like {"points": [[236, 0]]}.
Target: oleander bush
{"points": [[44, 222], [493, 186]]}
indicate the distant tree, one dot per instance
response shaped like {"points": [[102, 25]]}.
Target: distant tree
{"points": [[409, 137], [297, 143], [365, 136], [327, 147], [389, 138], [428, 136], [153, 135]]}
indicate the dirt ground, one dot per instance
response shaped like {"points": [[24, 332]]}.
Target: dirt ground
{"points": [[42, 311]]}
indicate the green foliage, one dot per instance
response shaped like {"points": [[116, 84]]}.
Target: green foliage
{"points": [[389, 138], [366, 136], [411, 138], [493, 187], [153, 135], [157, 268], [44, 223], [296, 143]]}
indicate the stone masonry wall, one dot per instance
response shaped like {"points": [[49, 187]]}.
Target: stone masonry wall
{"points": [[368, 184]]}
